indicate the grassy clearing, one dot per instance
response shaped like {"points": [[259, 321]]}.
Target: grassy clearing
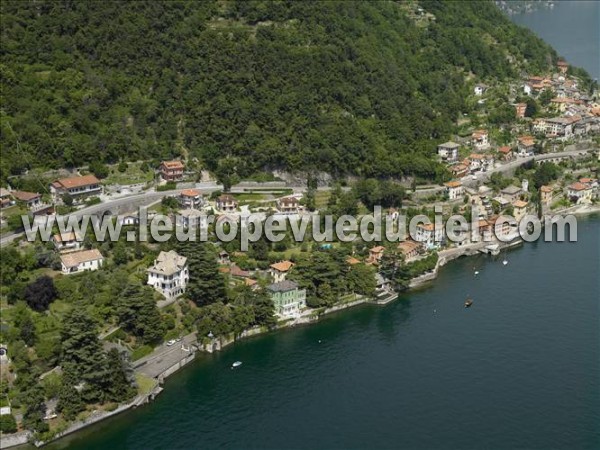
{"points": [[145, 384], [133, 175], [249, 197], [321, 198]]}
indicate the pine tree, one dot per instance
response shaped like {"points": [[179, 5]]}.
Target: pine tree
{"points": [[70, 402], [82, 354], [138, 313], [206, 285]]}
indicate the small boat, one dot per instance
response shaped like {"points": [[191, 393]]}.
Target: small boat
{"points": [[468, 303], [236, 364], [477, 272], [505, 262]]}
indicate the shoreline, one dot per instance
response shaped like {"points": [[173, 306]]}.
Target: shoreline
{"points": [[308, 317]]}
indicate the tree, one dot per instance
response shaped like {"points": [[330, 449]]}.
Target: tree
{"points": [[361, 279], [70, 402], [122, 167], [67, 199], [138, 314], [35, 408], [27, 331], [545, 97], [206, 285], [120, 255], [99, 169], [83, 359], [8, 424], [40, 293], [121, 376]]}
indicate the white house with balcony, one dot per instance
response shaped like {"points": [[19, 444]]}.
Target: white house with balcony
{"points": [[169, 275], [454, 189], [430, 236], [66, 242], [81, 261], [191, 198], [82, 186], [448, 151]]}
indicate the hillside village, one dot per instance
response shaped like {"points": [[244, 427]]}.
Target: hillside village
{"points": [[141, 299]]}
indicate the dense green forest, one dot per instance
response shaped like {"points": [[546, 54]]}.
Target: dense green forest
{"points": [[344, 87]]}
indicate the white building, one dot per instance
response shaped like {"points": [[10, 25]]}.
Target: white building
{"points": [[429, 236], [191, 198], [479, 89], [169, 275], [480, 163], [454, 189], [580, 192], [279, 270], [480, 139], [448, 151], [76, 186], [66, 242], [81, 261]]}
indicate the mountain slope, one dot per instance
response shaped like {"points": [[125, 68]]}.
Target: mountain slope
{"points": [[362, 88]]}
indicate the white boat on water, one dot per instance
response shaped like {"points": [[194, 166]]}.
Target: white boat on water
{"points": [[236, 364], [505, 262]]}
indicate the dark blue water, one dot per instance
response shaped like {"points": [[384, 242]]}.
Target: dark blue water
{"points": [[572, 28], [519, 369]]}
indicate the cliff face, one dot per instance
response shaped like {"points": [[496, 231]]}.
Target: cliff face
{"points": [[347, 88]]}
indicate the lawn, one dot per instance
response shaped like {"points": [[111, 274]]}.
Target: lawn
{"points": [[321, 198], [145, 384], [249, 197], [133, 175]]}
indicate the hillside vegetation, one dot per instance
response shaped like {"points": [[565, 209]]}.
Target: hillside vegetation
{"points": [[344, 87]]}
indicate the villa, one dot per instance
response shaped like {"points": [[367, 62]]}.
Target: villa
{"points": [[171, 170], [526, 146], [279, 270], [191, 198], [480, 139], [169, 275], [375, 254], [287, 298], [288, 205], [454, 189], [226, 203], [410, 250], [32, 200], [511, 193], [546, 194], [5, 198], [82, 186], [520, 209], [429, 236], [81, 261], [66, 242], [448, 151], [580, 193], [506, 153]]}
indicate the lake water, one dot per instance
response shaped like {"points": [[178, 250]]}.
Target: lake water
{"points": [[572, 28], [520, 368]]}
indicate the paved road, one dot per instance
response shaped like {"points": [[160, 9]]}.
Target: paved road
{"points": [[148, 198], [152, 196]]}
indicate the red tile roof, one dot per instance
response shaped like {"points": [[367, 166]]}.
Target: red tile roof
{"points": [[282, 266], [75, 182]]}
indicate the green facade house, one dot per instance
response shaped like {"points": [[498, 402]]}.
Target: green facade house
{"points": [[287, 298]]}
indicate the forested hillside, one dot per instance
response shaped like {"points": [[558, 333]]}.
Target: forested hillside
{"points": [[344, 87]]}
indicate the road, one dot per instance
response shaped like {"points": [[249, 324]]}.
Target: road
{"points": [[148, 198], [152, 196]]}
